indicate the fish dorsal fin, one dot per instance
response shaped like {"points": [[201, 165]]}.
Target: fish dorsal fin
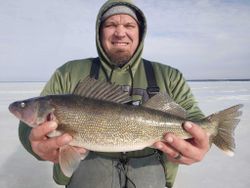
{"points": [[164, 103], [101, 90]]}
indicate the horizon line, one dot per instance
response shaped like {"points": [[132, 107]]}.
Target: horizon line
{"points": [[189, 80], [219, 80]]}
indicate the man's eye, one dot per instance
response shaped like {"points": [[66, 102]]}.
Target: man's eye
{"points": [[109, 25], [130, 26]]}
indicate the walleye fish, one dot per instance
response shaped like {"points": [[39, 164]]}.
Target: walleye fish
{"points": [[97, 118]]}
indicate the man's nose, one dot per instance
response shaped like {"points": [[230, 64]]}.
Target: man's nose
{"points": [[120, 31]]}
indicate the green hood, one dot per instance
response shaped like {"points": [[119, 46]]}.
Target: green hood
{"points": [[135, 60]]}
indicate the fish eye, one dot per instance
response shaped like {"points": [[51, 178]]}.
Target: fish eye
{"points": [[22, 104]]}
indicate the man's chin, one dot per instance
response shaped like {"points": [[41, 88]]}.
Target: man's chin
{"points": [[120, 58]]}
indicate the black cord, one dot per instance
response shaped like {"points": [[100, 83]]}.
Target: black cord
{"points": [[122, 167]]}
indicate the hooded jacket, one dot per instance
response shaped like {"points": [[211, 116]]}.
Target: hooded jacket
{"points": [[169, 80]]}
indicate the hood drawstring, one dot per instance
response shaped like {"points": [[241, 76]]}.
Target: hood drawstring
{"points": [[130, 74], [132, 80], [106, 74], [111, 73]]}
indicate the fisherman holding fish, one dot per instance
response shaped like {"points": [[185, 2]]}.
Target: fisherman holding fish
{"points": [[109, 161]]}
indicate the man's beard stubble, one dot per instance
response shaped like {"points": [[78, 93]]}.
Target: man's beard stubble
{"points": [[119, 57]]}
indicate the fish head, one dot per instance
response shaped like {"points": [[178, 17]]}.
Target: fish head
{"points": [[32, 111]]}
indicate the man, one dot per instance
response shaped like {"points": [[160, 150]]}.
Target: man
{"points": [[120, 33]]}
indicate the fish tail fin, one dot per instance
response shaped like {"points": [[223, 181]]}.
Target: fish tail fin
{"points": [[227, 121]]}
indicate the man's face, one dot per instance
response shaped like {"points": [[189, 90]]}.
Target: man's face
{"points": [[120, 38]]}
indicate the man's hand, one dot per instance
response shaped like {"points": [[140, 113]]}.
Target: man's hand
{"points": [[48, 148], [185, 151]]}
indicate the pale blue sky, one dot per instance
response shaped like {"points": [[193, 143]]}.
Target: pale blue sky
{"points": [[202, 38]]}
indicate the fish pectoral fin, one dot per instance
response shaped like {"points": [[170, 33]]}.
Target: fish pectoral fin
{"points": [[84, 155], [69, 160], [163, 102]]}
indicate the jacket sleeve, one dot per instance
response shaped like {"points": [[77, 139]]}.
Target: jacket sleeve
{"points": [[182, 94], [59, 83], [172, 81], [53, 86]]}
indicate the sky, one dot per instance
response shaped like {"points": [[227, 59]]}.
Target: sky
{"points": [[204, 39]]}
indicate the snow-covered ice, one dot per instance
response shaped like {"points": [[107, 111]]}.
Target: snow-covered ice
{"points": [[19, 169]]}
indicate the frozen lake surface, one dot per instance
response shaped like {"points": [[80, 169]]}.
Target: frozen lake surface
{"points": [[20, 169]]}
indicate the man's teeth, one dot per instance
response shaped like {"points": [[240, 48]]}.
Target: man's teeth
{"points": [[120, 43]]}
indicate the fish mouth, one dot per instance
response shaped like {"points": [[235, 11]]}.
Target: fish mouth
{"points": [[14, 110], [21, 114]]}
